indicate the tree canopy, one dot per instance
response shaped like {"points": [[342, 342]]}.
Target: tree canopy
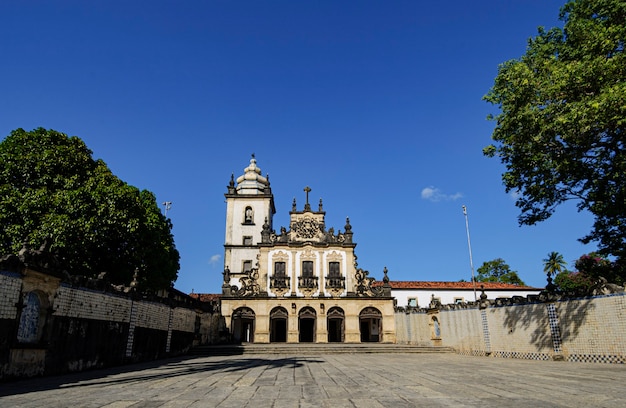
{"points": [[590, 269], [497, 270], [566, 281], [52, 189], [595, 266], [561, 127]]}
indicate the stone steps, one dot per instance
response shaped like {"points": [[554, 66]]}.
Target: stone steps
{"points": [[313, 349]]}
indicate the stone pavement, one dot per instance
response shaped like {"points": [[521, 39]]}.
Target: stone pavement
{"points": [[340, 380]]}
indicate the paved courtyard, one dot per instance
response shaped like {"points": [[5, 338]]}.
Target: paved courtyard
{"points": [[339, 380]]}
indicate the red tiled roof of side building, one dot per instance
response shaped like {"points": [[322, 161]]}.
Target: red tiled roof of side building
{"points": [[206, 297], [454, 285]]}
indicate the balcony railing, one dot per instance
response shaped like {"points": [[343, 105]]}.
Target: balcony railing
{"points": [[279, 282], [307, 282], [335, 282]]}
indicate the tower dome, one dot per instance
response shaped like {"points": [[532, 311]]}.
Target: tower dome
{"points": [[252, 182]]}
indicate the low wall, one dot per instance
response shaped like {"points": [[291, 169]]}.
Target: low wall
{"points": [[590, 329], [48, 326]]}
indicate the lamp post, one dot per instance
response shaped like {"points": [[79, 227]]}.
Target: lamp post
{"points": [[469, 247], [167, 205]]}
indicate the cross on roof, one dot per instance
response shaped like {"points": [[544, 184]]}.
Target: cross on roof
{"points": [[307, 190]]}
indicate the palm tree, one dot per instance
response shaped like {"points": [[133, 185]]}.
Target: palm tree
{"points": [[554, 263]]}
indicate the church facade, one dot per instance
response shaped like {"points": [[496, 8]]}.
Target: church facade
{"points": [[301, 284]]}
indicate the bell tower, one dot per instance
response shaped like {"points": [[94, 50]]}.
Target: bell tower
{"points": [[249, 206]]}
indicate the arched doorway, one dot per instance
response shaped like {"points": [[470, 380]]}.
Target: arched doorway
{"points": [[370, 324], [243, 325], [335, 323], [278, 325], [306, 325]]}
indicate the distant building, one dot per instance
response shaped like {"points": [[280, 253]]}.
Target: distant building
{"points": [[300, 283], [420, 293]]}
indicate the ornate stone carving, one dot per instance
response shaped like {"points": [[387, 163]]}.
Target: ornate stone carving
{"points": [[249, 285], [306, 228], [364, 285]]}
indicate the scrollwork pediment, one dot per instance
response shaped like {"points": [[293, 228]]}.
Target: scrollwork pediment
{"points": [[307, 228]]}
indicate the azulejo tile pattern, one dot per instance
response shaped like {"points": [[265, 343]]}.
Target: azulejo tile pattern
{"points": [[555, 330], [527, 356], [483, 315], [596, 358]]}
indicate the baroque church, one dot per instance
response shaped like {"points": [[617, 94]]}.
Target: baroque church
{"points": [[300, 284]]}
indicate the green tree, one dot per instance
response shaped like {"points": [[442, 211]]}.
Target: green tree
{"points": [[497, 271], [52, 189], [561, 130], [554, 263], [567, 281], [595, 266]]}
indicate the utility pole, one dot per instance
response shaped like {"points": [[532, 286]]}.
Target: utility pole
{"points": [[469, 247]]}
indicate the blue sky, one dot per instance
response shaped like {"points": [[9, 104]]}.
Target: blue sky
{"points": [[376, 105]]}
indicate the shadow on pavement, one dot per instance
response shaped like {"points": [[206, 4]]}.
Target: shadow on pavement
{"points": [[133, 373]]}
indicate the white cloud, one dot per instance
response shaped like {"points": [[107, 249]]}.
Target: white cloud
{"points": [[215, 259], [435, 195], [515, 195]]}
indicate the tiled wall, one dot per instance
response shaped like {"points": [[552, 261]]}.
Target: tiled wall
{"points": [[585, 330], [86, 304], [153, 315], [10, 284], [89, 328], [462, 329], [594, 330], [412, 328], [184, 320], [520, 331]]}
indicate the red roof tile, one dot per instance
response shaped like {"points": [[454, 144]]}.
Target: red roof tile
{"points": [[205, 297], [454, 285]]}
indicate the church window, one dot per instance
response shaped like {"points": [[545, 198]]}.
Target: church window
{"points": [[247, 240], [334, 280], [307, 269], [333, 269], [307, 280], [458, 300], [279, 269], [280, 279], [247, 266], [412, 302]]}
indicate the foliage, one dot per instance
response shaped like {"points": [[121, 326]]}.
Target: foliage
{"points": [[596, 266], [497, 271], [561, 130], [52, 188], [567, 281], [554, 263]]}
